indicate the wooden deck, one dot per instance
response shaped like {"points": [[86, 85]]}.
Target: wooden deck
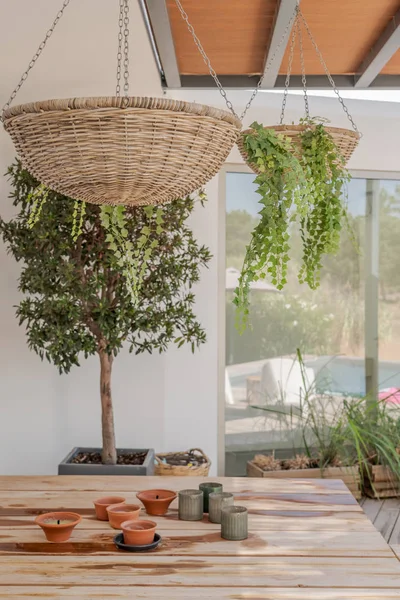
{"points": [[385, 515], [309, 540]]}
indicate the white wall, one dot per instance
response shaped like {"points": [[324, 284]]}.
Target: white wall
{"points": [[169, 401], [165, 402]]}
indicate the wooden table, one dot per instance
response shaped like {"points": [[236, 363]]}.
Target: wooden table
{"points": [[309, 540]]}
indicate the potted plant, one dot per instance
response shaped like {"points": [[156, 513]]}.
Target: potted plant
{"points": [[321, 427], [373, 433], [76, 302], [301, 180], [302, 465]]}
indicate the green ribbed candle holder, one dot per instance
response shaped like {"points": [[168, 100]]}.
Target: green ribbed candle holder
{"points": [[234, 523], [217, 501], [209, 487], [191, 505]]}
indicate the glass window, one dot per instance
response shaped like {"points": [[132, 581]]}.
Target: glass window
{"points": [[326, 325], [389, 286]]}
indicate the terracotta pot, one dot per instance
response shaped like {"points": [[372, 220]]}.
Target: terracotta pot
{"points": [[156, 502], [58, 526], [101, 504], [138, 532], [118, 513]]}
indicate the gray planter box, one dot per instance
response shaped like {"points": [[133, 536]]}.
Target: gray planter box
{"points": [[68, 468]]}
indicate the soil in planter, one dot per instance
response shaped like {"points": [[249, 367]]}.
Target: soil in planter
{"points": [[94, 458], [300, 461]]}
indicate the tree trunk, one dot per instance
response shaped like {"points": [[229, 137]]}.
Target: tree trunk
{"points": [[109, 453]]}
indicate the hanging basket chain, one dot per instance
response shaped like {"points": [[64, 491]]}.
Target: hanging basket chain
{"points": [[271, 61], [303, 68], [126, 48], [35, 57], [119, 54], [288, 74], [205, 57], [213, 72], [329, 76]]}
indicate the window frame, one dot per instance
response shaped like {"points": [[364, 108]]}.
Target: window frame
{"points": [[371, 351]]}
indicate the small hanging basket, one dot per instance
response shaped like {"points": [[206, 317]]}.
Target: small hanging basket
{"points": [[346, 140], [168, 464], [113, 150]]}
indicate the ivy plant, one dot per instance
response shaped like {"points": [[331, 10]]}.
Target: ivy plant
{"points": [[326, 178], [281, 187], [75, 300], [132, 258], [296, 184]]}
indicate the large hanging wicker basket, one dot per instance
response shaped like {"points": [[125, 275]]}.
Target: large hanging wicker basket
{"points": [[345, 140], [131, 151], [163, 468]]}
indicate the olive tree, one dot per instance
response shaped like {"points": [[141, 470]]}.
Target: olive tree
{"points": [[75, 300]]}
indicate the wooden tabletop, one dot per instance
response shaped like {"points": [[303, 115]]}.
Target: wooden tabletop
{"points": [[308, 540]]}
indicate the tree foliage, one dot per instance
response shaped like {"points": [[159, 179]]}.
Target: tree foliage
{"points": [[75, 298]]}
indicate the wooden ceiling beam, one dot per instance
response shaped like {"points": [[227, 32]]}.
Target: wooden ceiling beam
{"points": [[380, 54], [161, 31], [283, 17]]}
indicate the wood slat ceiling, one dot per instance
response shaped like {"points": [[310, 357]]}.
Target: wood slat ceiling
{"points": [[235, 34], [393, 66]]}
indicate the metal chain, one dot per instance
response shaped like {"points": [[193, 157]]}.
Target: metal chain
{"points": [[331, 81], [205, 57], [119, 54], [303, 69], [272, 59], [35, 57], [288, 74], [213, 72], [126, 48]]}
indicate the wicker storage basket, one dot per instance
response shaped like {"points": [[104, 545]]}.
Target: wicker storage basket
{"points": [[131, 151], [345, 140], [162, 468]]}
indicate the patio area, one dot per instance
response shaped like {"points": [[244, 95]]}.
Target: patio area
{"points": [[200, 299], [384, 514]]}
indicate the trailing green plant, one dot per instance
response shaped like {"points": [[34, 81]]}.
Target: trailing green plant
{"points": [[37, 198], [78, 217], [280, 184], [133, 259], [75, 300], [326, 177], [307, 187]]}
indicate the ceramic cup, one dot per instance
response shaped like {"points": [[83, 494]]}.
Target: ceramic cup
{"points": [[118, 513], [234, 523], [138, 532], [101, 504], [208, 488], [58, 526], [156, 502], [191, 505], [217, 501]]}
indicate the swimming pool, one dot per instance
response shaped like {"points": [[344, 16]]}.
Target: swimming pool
{"points": [[334, 374]]}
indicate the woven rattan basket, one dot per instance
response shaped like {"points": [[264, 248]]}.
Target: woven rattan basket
{"points": [[161, 468], [131, 151], [345, 140]]}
